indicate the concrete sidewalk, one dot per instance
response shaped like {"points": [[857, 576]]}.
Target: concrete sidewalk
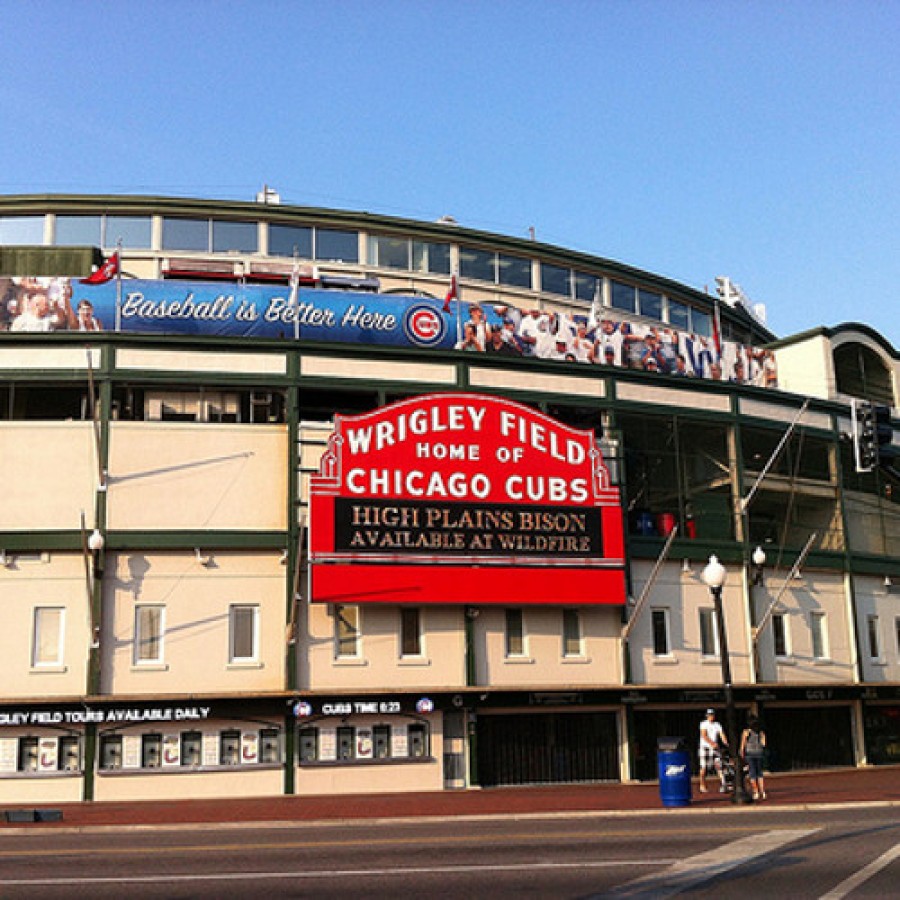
{"points": [[834, 786]]}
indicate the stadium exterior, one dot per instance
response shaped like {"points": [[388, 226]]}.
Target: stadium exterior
{"points": [[269, 527]]}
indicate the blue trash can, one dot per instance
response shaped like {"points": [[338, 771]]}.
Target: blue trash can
{"points": [[674, 765]]}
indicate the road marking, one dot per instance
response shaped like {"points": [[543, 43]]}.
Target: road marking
{"points": [[854, 881], [162, 877], [697, 869], [417, 840]]}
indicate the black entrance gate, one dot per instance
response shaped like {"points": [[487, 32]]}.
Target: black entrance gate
{"points": [[547, 748]]}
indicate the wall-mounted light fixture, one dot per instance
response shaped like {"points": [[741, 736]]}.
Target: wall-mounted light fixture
{"points": [[5, 561], [759, 565], [206, 560]]}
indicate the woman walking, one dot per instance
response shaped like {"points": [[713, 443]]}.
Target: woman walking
{"points": [[753, 749]]}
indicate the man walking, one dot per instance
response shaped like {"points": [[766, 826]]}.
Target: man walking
{"points": [[712, 737]]}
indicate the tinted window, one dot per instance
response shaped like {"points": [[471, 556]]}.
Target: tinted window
{"points": [[651, 304], [429, 257], [337, 245], [554, 279], [586, 286], [678, 315], [285, 239], [78, 231], [134, 231], [623, 296], [393, 253], [514, 271], [700, 323], [234, 236], [186, 234], [478, 264]]}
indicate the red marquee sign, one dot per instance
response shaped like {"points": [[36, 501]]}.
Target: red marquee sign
{"points": [[464, 498]]}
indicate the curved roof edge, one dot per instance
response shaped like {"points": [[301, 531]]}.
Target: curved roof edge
{"points": [[830, 332], [87, 203]]}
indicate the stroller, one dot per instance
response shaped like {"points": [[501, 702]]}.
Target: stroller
{"points": [[729, 769]]}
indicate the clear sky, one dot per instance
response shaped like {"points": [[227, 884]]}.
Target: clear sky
{"points": [[758, 140]]}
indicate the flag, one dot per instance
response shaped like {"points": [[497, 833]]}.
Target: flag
{"points": [[717, 330], [106, 272], [452, 294], [594, 317]]}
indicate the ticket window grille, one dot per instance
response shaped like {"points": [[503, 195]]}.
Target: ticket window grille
{"points": [[191, 748], [269, 746], [230, 748], [111, 752], [381, 741], [418, 741], [28, 754], [345, 741], [309, 745], [151, 751], [69, 754]]}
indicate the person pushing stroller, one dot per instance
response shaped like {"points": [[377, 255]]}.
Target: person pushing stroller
{"points": [[712, 740]]}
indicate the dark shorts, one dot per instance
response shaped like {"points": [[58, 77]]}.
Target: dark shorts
{"points": [[755, 764]]}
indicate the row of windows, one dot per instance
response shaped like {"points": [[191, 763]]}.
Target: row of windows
{"points": [[150, 626], [230, 747], [48, 635], [338, 245], [780, 623], [348, 633]]}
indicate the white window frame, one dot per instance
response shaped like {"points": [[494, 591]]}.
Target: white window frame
{"points": [[667, 622], [522, 637], [572, 614], [419, 633], [818, 625], [140, 640], [38, 637], [350, 615], [702, 613], [233, 610], [783, 618]]}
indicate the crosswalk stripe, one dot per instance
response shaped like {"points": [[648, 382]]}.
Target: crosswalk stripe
{"points": [[855, 880], [704, 866]]}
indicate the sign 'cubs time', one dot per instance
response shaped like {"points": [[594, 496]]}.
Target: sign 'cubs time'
{"points": [[464, 498]]}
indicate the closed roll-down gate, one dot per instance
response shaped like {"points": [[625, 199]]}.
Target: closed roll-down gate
{"points": [[547, 748]]}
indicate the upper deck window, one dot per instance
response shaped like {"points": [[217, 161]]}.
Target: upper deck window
{"points": [[337, 246], [21, 230], [290, 240]]}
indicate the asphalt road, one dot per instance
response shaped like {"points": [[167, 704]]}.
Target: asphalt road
{"points": [[850, 852]]}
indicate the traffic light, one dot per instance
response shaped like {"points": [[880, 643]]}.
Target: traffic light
{"points": [[872, 434], [865, 450], [883, 433]]}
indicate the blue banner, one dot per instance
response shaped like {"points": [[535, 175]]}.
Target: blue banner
{"points": [[356, 317]]}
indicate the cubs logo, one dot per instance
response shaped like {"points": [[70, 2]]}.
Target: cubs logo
{"points": [[424, 325]]}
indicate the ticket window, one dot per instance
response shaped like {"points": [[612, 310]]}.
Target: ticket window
{"points": [[381, 739], [230, 748], [151, 751], [191, 743], [309, 745], [269, 746], [28, 754], [111, 752], [418, 741], [69, 754], [345, 743]]}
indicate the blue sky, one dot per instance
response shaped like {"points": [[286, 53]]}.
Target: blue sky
{"points": [[758, 140]]}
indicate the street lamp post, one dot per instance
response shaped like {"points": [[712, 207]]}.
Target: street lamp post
{"points": [[714, 578]]}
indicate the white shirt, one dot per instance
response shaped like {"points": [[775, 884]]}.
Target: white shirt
{"points": [[713, 731]]}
